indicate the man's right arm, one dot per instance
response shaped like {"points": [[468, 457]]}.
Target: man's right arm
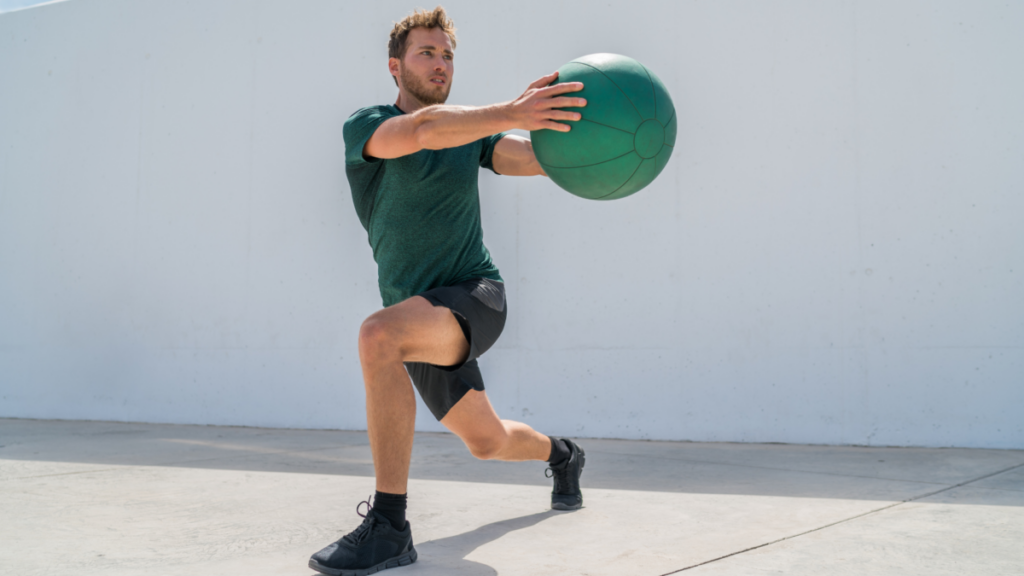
{"points": [[441, 126]]}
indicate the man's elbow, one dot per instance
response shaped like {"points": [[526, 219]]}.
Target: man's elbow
{"points": [[535, 167]]}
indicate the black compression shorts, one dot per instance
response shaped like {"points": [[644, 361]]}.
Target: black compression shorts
{"points": [[479, 307]]}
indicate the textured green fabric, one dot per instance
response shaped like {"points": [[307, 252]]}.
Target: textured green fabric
{"points": [[421, 211], [625, 135]]}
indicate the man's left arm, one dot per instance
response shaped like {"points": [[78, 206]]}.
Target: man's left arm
{"points": [[513, 156]]}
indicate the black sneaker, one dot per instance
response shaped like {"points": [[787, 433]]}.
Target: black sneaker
{"points": [[374, 546], [567, 495]]}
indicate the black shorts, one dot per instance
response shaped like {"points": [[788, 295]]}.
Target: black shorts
{"points": [[479, 307]]}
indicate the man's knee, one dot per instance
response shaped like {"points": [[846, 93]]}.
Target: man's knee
{"points": [[487, 447], [378, 340]]}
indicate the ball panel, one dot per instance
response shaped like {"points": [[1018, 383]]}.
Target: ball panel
{"points": [[629, 76], [596, 181], [585, 144], [606, 104], [644, 175], [662, 101], [670, 132]]}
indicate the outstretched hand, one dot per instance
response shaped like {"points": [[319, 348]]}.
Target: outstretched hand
{"points": [[538, 107]]}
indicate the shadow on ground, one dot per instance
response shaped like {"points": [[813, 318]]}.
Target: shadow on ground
{"points": [[448, 555]]}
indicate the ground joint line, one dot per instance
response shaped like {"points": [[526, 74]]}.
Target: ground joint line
{"points": [[893, 505]]}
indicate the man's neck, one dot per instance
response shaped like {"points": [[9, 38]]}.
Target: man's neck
{"points": [[407, 102]]}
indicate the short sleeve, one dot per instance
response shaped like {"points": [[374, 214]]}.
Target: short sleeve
{"points": [[487, 151], [358, 129]]}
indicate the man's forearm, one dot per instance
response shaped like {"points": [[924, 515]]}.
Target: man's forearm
{"points": [[437, 127], [442, 126]]}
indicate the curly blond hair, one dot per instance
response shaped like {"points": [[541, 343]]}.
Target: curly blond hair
{"points": [[436, 18]]}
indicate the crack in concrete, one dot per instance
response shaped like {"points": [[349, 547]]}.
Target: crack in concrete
{"points": [[844, 520]]}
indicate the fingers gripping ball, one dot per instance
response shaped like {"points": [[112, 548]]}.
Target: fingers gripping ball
{"points": [[625, 136]]}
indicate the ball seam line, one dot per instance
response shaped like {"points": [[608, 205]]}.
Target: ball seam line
{"points": [[589, 165], [671, 118], [607, 126], [601, 72], [654, 93]]}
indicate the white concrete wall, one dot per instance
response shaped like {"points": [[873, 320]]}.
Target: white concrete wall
{"points": [[834, 255]]}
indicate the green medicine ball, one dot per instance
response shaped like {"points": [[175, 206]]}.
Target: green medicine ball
{"points": [[625, 136]]}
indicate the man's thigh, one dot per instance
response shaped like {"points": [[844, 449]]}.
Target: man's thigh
{"points": [[422, 332]]}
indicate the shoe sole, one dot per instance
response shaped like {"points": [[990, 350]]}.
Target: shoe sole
{"points": [[578, 505], [403, 560]]}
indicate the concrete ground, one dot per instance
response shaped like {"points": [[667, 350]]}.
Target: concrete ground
{"points": [[110, 498]]}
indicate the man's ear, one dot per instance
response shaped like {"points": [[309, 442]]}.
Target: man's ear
{"points": [[393, 67]]}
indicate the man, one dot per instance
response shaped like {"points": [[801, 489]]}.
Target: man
{"points": [[413, 169]]}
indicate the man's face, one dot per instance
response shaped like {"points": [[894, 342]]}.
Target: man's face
{"points": [[426, 70]]}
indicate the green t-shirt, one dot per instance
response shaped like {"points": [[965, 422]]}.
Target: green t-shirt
{"points": [[421, 211]]}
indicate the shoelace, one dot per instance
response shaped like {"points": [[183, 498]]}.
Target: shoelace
{"points": [[364, 529], [368, 506], [561, 479]]}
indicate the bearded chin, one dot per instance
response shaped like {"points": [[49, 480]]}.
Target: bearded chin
{"points": [[423, 92]]}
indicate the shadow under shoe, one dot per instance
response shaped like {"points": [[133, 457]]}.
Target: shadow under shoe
{"points": [[374, 546], [566, 494]]}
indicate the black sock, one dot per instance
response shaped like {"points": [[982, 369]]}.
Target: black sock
{"points": [[559, 451], [392, 507]]}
